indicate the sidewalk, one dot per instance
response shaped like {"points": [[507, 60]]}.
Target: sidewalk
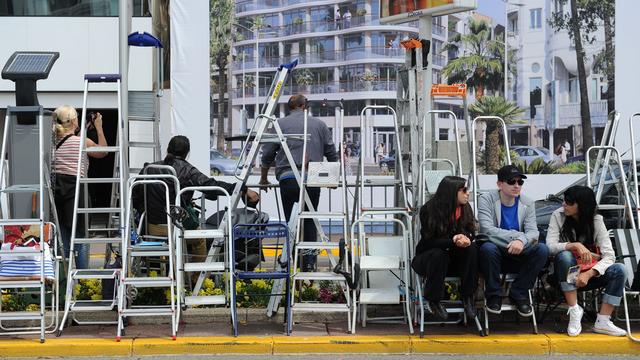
{"points": [[208, 332]]}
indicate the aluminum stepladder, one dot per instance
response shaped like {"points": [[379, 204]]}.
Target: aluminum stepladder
{"points": [[12, 193], [129, 281], [323, 175], [73, 305], [220, 263], [429, 179], [383, 260]]}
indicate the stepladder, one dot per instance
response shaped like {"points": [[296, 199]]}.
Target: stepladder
{"points": [[79, 267]]}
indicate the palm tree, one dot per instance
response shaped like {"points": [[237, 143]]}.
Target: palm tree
{"points": [[494, 106], [481, 67]]}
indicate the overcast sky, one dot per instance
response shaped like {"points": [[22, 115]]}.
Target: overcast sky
{"points": [[493, 8]]}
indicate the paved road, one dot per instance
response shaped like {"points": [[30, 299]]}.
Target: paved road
{"points": [[353, 357]]}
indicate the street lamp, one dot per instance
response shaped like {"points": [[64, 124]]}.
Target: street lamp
{"points": [[506, 49]]}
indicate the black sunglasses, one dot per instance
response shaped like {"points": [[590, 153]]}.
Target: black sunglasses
{"points": [[464, 189], [514, 181]]}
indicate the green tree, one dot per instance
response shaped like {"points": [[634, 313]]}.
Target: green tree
{"points": [[481, 66], [222, 21], [494, 106]]}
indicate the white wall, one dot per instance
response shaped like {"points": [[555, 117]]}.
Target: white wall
{"points": [[627, 71]]}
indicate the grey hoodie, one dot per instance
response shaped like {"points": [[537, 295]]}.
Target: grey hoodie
{"points": [[489, 216]]}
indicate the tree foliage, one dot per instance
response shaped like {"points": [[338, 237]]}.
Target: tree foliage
{"points": [[481, 66]]}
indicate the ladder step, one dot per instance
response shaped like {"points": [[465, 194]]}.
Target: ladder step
{"points": [[247, 275], [322, 184], [28, 221], [204, 234], [321, 215], [95, 274], [150, 253], [381, 182], [147, 312], [93, 305], [205, 300], [379, 262], [20, 315], [204, 266], [28, 188], [99, 210], [385, 210], [97, 240], [329, 276], [142, 144], [380, 296], [611, 207], [320, 307], [317, 245], [107, 149], [11, 284], [103, 229], [149, 281], [141, 118], [99, 180]]}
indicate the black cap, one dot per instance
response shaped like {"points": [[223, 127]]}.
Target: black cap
{"points": [[508, 172]]}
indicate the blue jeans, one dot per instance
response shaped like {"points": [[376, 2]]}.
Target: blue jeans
{"points": [[612, 280], [81, 250], [494, 261]]}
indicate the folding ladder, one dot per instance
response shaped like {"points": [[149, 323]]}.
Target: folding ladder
{"points": [[73, 305], [130, 281], [383, 260], [27, 204], [323, 175], [634, 169], [220, 263]]}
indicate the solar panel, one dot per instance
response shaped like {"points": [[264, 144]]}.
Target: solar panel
{"points": [[29, 63]]}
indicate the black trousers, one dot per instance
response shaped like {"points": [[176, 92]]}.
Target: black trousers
{"points": [[290, 192], [435, 264]]}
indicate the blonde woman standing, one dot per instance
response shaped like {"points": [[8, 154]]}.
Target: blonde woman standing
{"points": [[65, 170]]}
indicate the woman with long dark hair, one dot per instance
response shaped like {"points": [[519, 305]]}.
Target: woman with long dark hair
{"points": [[447, 240], [584, 258]]}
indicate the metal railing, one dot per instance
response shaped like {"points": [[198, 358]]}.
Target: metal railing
{"points": [[322, 88]]}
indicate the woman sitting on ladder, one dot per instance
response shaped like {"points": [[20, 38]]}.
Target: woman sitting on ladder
{"points": [[447, 238]]}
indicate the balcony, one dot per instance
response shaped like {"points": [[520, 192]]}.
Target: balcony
{"points": [[439, 60], [453, 33], [322, 88], [353, 53], [569, 114], [305, 28], [438, 29]]}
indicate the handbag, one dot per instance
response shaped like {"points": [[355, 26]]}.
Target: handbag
{"points": [[191, 220], [595, 257]]}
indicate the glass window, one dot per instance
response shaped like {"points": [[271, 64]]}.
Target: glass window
{"points": [[353, 45], [535, 83], [536, 18], [443, 134], [572, 89], [513, 24], [321, 49], [68, 8], [321, 18], [593, 90]]}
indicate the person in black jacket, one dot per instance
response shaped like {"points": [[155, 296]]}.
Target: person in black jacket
{"points": [[447, 239], [188, 175]]}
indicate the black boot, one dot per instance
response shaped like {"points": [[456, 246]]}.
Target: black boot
{"points": [[438, 310], [469, 307]]}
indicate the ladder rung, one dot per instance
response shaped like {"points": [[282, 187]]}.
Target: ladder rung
{"points": [[141, 118], [317, 245], [22, 188], [379, 262], [142, 144], [31, 221], [20, 315], [107, 149], [97, 240], [322, 185], [380, 296], [149, 281], [321, 215], [204, 234], [329, 276], [204, 266], [99, 210], [381, 182], [15, 284], [320, 307], [99, 180], [103, 229], [93, 305], [95, 274], [386, 210], [205, 300], [149, 253], [611, 207], [147, 312]]}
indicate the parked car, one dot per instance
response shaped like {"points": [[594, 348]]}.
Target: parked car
{"points": [[387, 163], [530, 153], [220, 164]]}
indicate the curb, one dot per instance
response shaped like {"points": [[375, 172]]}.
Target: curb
{"points": [[553, 344]]}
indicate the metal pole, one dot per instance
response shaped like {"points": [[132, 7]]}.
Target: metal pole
{"points": [[506, 51], [257, 79], [243, 119], [124, 90]]}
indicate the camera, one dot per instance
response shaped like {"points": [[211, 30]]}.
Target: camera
{"points": [[91, 116]]}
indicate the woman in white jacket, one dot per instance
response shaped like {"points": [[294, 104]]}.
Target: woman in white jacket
{"points": [[577, 236]]}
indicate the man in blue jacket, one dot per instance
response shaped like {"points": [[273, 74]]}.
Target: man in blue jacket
{"points": [[508, 225]]}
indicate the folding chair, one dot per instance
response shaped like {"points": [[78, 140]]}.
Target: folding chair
{"points": [[627, 243], [507, 280]]}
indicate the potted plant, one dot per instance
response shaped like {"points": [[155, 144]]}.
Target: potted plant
{"points": [[368, 77], [361, 12], [304, 78], [298, 21]]}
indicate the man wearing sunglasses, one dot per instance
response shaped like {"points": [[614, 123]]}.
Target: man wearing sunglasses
{"points": [[508, 226]]}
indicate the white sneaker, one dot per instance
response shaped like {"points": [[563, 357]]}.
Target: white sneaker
{"points": [[575, 317], [607, 327]]}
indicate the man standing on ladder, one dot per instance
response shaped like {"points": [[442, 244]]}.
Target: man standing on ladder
{"points": [[319, 145]]}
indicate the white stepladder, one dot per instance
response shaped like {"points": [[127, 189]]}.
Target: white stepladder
{"points": [[130, 281], [30, 266], [383, 260], [220, 263], [74, 275], [323, 175]]}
